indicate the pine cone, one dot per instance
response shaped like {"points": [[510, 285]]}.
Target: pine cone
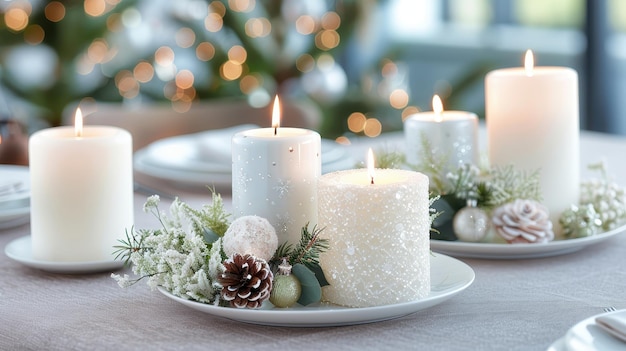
{"points": [[246, 281], [523, 221]]}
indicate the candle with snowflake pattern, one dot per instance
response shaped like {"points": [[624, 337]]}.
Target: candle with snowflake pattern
{"points": [[275, 172]]}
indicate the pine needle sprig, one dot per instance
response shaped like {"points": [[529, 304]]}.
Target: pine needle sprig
{"points": [[307, 251], [132, 243]]}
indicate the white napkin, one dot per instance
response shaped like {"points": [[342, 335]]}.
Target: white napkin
{"points": [[614, 324]]}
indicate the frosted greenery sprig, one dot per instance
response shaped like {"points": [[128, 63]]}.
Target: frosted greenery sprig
{"points": [[433, 165], [176, 256], [505, 184]]}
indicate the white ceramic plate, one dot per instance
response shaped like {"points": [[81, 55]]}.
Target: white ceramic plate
{"points": [[14, 183], [518, 251], [449, 277], [588, 336], [20, 250], [198, 173], [14, 203]]}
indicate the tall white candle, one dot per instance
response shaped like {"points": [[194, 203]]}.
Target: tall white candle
{"points": [[379, 236], [452, 135], [275, 172], [81, 192], [532, 123]]}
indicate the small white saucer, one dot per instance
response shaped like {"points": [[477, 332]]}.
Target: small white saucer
{"points": [[20, 250]]}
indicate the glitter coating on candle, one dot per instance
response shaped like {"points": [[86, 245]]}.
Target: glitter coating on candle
{"points": [[379, 237]]}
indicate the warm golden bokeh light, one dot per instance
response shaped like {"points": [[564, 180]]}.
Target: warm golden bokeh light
{"points": [[305, 25], [331, 21], [231, 70], [408, 111], [127, 85], [95, 8], [16, 19], [389, 69], [305, 63], [372, 127], [205, 51], [218, 8], [242, 5], [54, 11], [184, 79], [237, 54], [114, 22], [249, 83], [143, 72], [327, 39], [356, 122], [185, 37], [34, 34], [258, 27], [343, 140], [97, 51], [164, 56], [213, 22], [398, 99]]}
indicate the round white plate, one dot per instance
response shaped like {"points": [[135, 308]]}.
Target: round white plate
{"points": [[587, 335], [558, 345], [518, 251], [449, 277], [20, 250], [17, 179], [198, 174]]}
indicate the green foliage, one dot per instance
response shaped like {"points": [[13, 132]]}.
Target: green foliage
{"points": [[211, 216], [306, 252], [433, 166], [311, 289]]}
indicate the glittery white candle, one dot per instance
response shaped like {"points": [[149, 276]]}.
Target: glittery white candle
{"points": [[451, 134], [379, 237], [81, 192], [532, 123], [275, 173]]}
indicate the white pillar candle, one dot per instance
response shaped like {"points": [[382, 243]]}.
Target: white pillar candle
{"points": [[379, 236], [452, 135], [81, 192], [275, 172], [532, 123]]}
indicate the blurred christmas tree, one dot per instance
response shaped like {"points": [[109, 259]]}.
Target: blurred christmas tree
{"points": [[61, 52]]}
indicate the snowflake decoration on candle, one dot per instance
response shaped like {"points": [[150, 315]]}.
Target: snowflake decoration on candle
{"points": [[282, 187]]}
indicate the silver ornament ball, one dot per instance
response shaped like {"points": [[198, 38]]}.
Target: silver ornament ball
{"points": [[470, 224]]}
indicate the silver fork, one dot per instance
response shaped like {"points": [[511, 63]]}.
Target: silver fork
{"points": [[610, 309]]}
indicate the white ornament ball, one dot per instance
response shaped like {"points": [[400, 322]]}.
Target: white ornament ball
{"points": [[252, 235], [470, 224]]}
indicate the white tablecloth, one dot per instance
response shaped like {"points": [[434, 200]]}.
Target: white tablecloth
{"points": [[512, 305]]}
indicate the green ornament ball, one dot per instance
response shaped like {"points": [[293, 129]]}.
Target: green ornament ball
{"points": [[286, 290]]}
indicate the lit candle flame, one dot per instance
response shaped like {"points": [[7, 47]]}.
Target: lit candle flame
{"points": [[276, 115], [529, 63], [78, 123], [437, 107], [370, 165]]}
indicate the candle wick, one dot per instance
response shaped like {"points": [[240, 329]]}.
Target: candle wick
{"points": [[275, 130], [372, 180]]}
